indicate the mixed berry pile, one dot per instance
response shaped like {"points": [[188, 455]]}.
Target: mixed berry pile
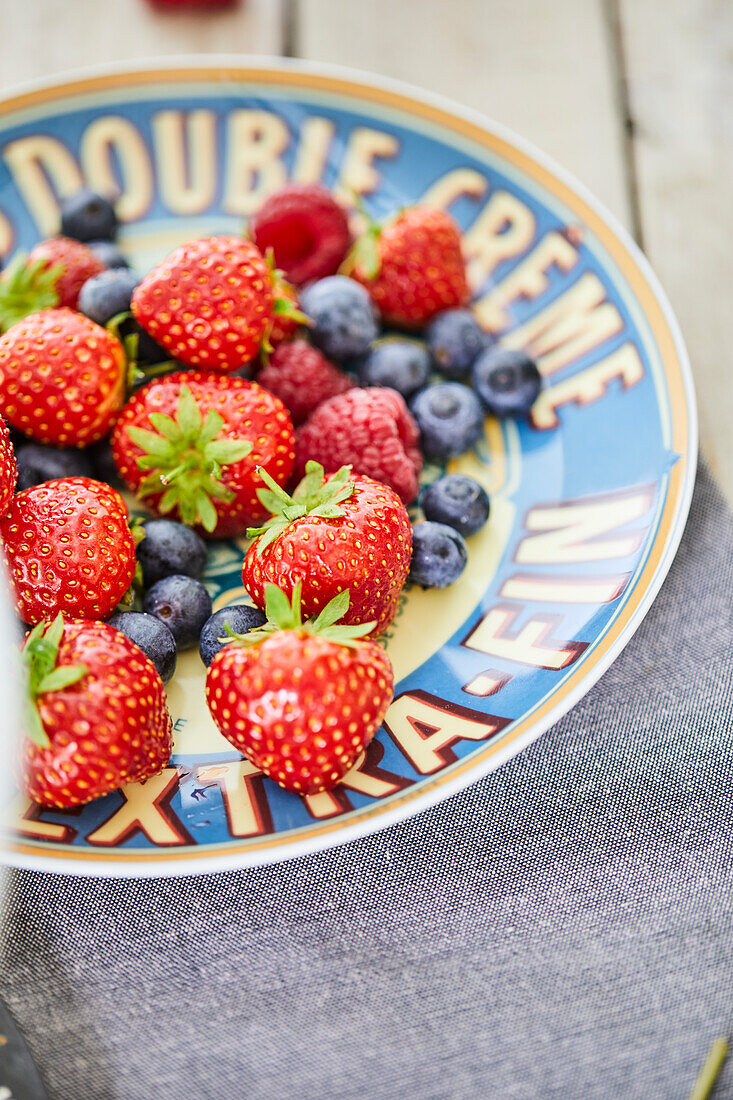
{"points": [[286, 387]]}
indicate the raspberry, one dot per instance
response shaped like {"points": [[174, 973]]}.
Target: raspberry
{"points": [[372, 430], [306, 229], [302, 378]]}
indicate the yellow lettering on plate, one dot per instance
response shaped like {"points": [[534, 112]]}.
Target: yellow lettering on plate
{"points": [[587, 386], [316, 136], [358, 171], [365, 777], [243, 794], [7, 235], [145, 809], [563, 590], [185, 154], [532, 644], [453, 185], [257, 140], [486, 683], [24, 818], [505, 228], [424, 728], [114, 137], [43, 169], [575, 323], [527, 281], [578, 530]]}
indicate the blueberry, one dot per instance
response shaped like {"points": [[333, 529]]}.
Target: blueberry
{"points": [[108, 254], [182, 604], [169, 549], [458, 501], [103, 464], [105, 295], [439, 555], [450, 419], [37, 463], [240, 617], [455, 338], [508, 382], [344, 319], [152, 636], [87, 216], [395, 361]]}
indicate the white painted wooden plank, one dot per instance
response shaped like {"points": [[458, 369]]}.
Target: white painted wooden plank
{"points": [[680, 86], [545, 69], [44, 37]]}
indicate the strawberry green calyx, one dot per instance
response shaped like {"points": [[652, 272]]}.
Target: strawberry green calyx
{"points": [[137, 530], [129, 600], [284, 614], [364, 252], [283, 304], [284, 307], [185, 458], [129, 345], [40, 655], [114, 325], [26, 288], [312, 497]]}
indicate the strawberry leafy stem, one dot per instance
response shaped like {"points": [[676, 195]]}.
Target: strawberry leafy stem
{"points": [[364, 254], [40, 655], [185, 456], [312, 497], [284, 614], [284, 304], [26, 287], [129, 599]]}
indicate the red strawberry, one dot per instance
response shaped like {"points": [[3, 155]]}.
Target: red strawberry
{"points": [[209, 303], [8, 469], [76, 261], [203, 469], [301, 700], [62, 378], [344, 532], [370, 429], [97, 717], [412, 266], [52, 275], [68, 547], [306, 229], [302, 378]]}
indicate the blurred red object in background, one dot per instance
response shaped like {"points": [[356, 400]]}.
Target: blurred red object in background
{"points": [[200, 5]]}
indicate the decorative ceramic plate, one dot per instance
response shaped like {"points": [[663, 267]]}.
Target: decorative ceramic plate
{"points": [[589, 497]]}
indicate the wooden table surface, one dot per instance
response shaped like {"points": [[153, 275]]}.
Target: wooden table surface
{"points": [[634, 97]]}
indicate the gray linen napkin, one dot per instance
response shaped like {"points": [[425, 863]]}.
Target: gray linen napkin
{"points": [[560, 929]]}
